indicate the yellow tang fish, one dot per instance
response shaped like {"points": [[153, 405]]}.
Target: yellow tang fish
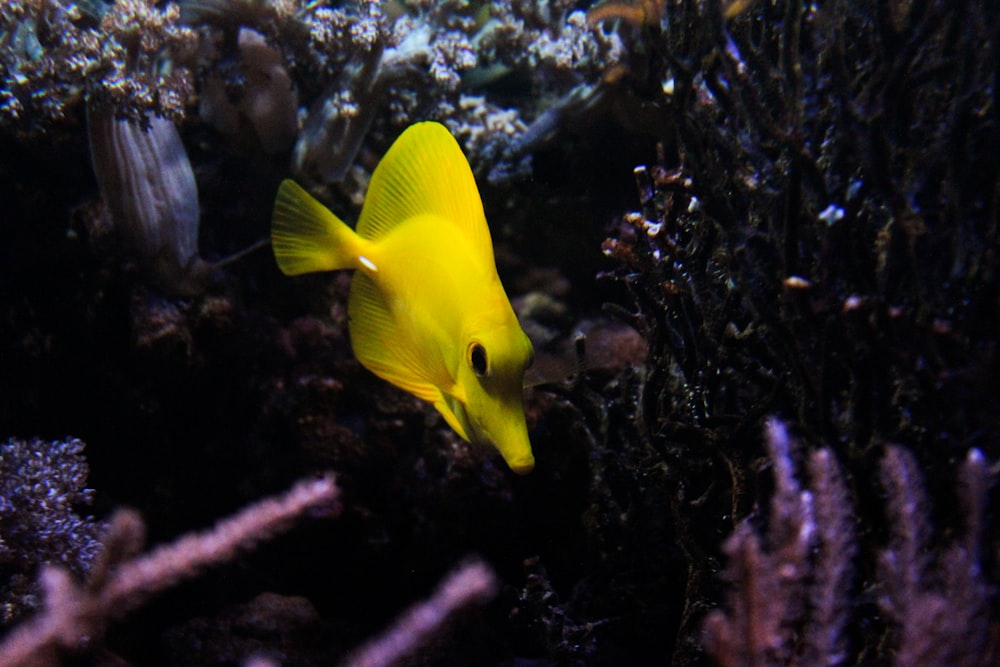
{"points": [[427, 310]]}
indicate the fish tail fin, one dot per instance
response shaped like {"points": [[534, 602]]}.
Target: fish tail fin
{"points": [[306, 237]]}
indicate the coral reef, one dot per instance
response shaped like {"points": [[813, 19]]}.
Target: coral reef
{"points": [[815, 243], [54, 54], [42, 486], [353, 64], [753, 432]]}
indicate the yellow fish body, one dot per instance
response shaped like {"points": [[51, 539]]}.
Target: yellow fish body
{"points": [[427, 310]]}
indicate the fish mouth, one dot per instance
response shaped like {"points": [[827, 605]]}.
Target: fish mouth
{"points": [[519, 458], [515, 450], [502, 426], [522, 466]]}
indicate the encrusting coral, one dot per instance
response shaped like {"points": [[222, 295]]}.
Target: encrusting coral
{"points": [[42, 486], [352, 63]]}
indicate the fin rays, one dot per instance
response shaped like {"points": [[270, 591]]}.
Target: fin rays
{"points": [[374, 339], [306, 237], [425, 172]]}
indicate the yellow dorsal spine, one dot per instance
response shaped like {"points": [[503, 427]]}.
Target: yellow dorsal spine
{"points": [[306, 237]]}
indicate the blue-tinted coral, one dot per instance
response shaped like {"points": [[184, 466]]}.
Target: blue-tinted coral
{"points": [[42, 484]]}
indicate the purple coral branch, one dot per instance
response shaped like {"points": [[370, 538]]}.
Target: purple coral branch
{"points": [[832, 572], [906, 560], [471, 583], [790, 599], [75, 616], [788, 604], [973, 489], [170, 564], [750, 630], [941, 613]]}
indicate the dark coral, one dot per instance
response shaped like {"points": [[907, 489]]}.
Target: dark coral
{"points": [[817, 240]]}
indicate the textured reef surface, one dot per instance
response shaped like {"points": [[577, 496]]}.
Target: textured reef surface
{"points": [[756, 245]]}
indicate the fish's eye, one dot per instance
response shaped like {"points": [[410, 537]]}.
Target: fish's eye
{"points": [[478, 360]]}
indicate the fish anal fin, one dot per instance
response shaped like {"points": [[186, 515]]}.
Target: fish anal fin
{"points": [[379, 345], [307, 237]]}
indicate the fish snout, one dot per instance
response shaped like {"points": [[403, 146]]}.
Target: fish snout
{"points": [[523, 464], [516, 450], [508, 435]]}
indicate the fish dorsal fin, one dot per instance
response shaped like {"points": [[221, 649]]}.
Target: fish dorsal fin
{"points": [[379, 347], [425, 172]]}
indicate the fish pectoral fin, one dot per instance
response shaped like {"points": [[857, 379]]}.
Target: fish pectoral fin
{"points": [[306, 237], [450, 417]]}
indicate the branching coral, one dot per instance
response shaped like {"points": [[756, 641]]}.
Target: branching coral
{"points": [[358, 63], [791, 256], [471, 583], [792, 587], [354, 64], [75, 617], [142, 68], [941, 608], [815, 241], [41, 79]]}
